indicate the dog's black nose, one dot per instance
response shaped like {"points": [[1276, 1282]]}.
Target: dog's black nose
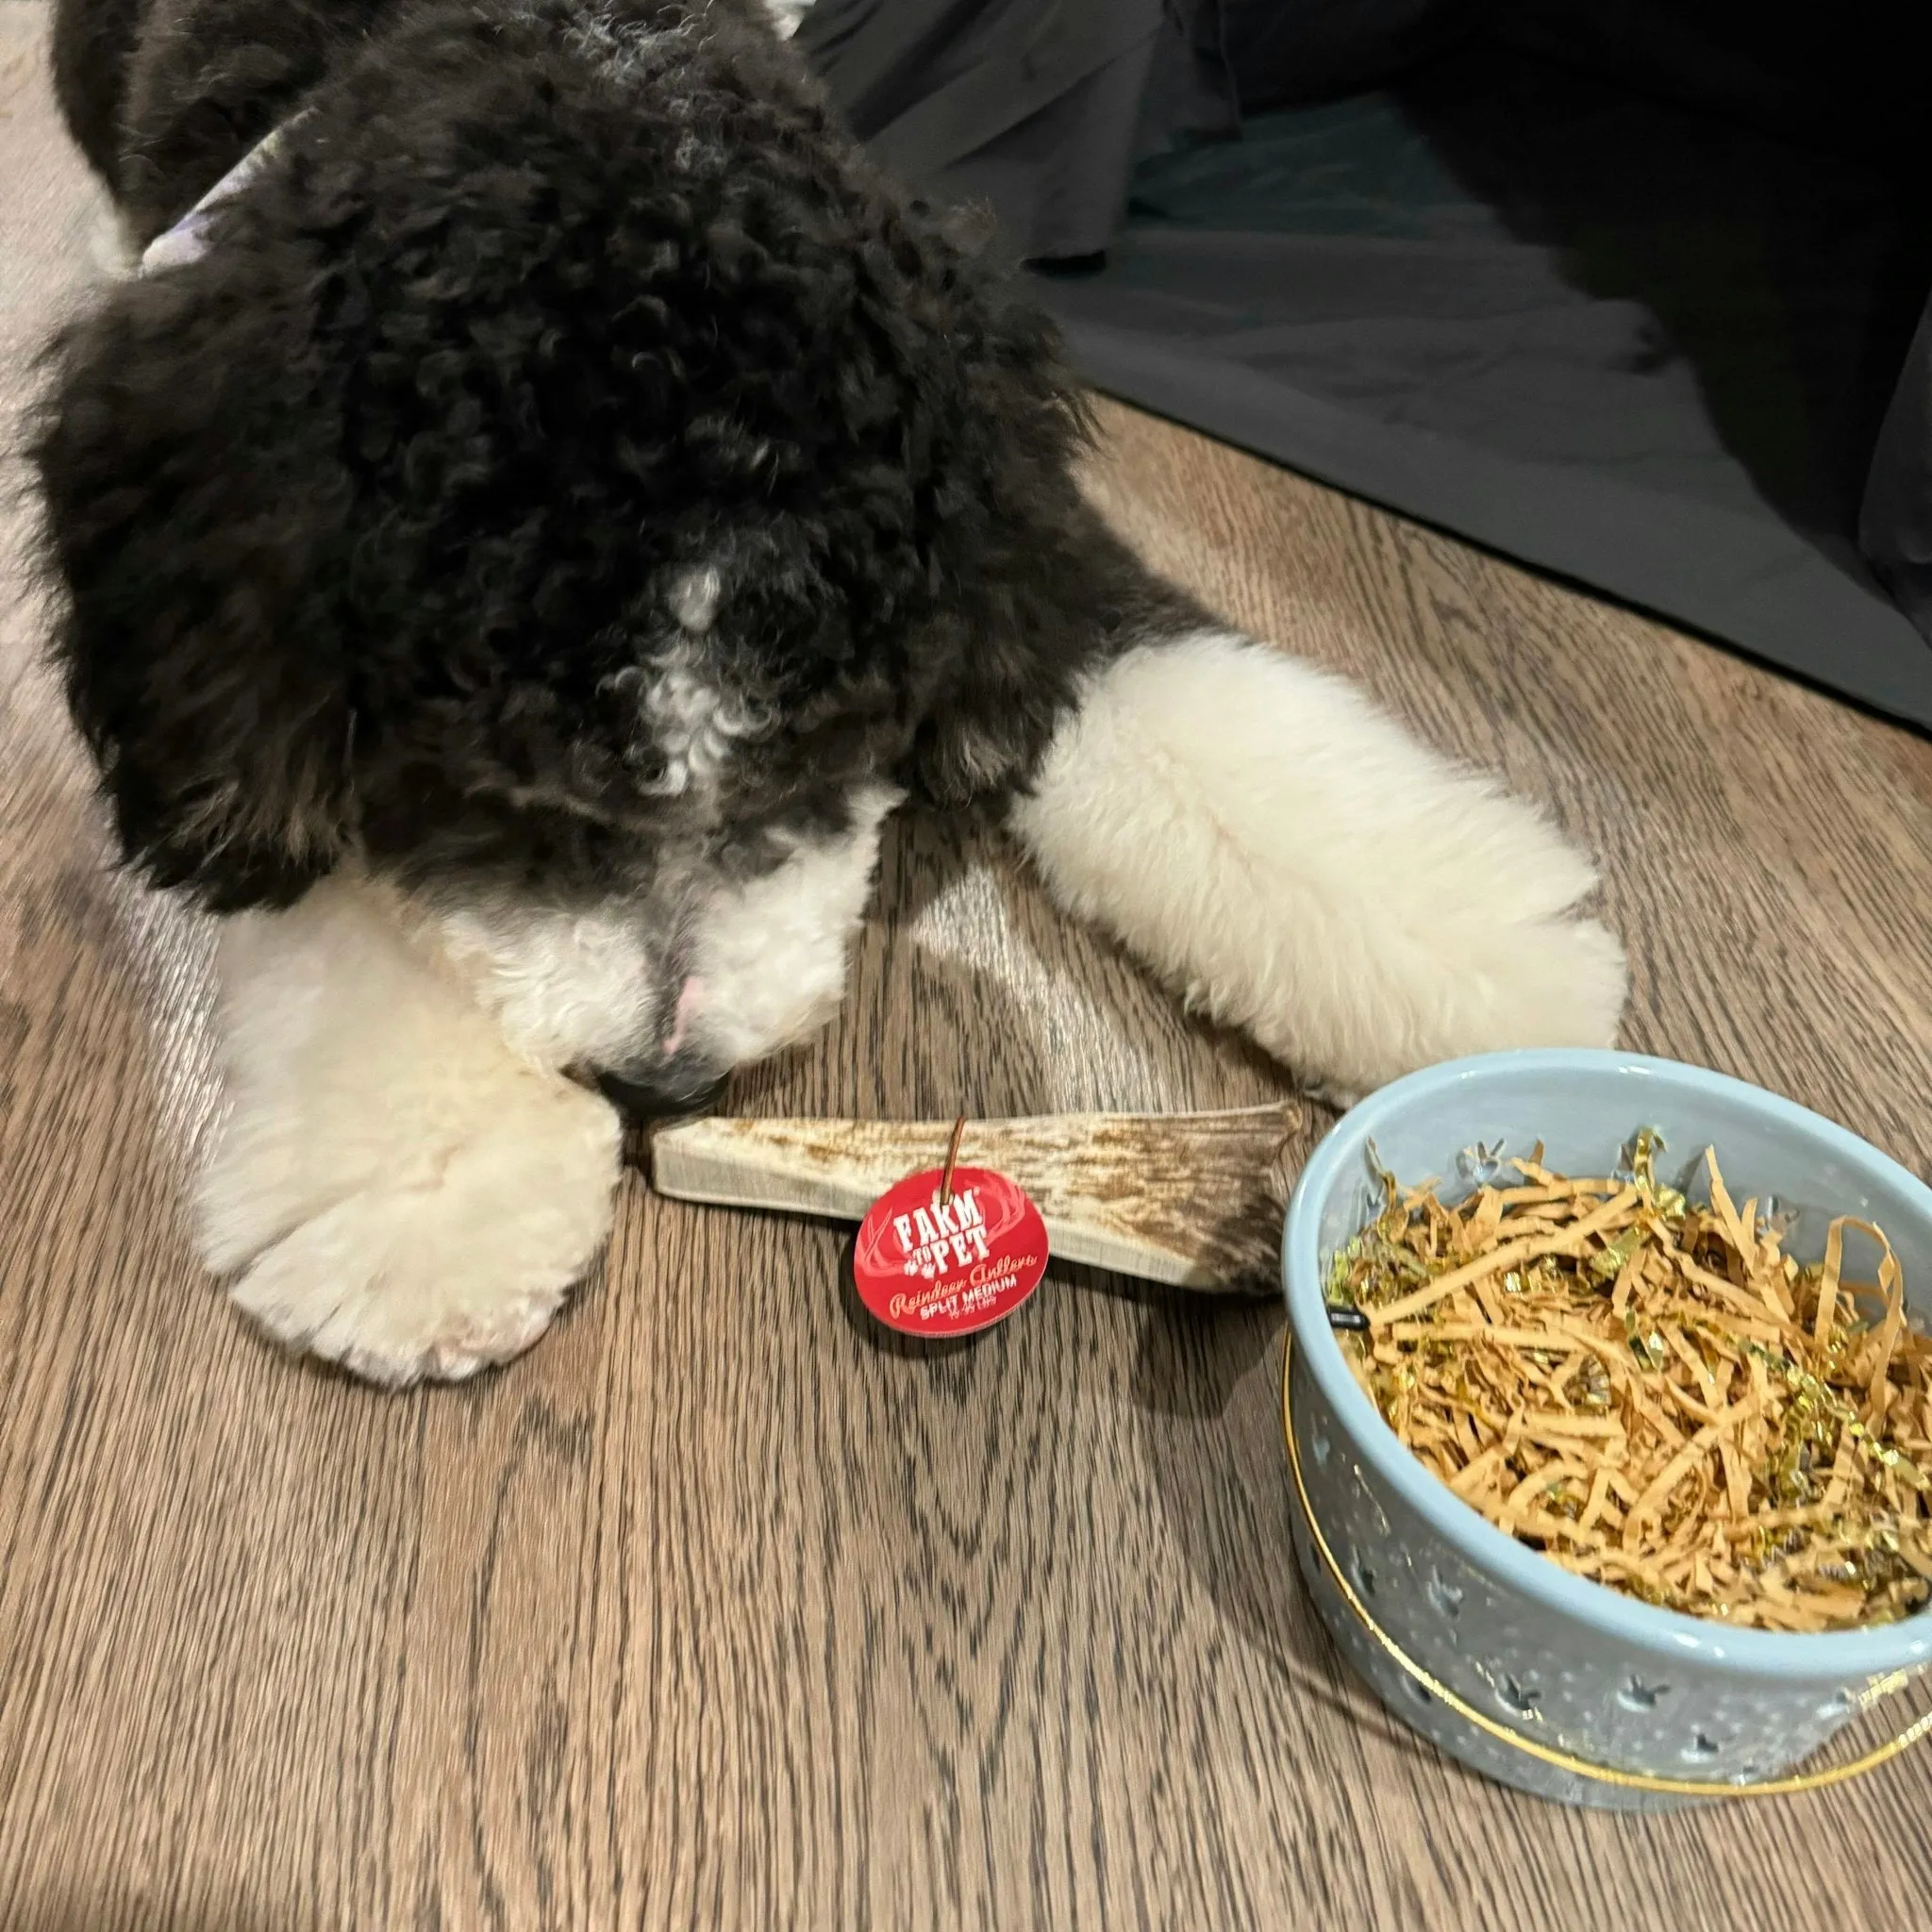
{"points": [[645, 1100]]}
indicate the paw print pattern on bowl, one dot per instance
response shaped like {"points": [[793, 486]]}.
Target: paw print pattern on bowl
{"points": [[1502, 1655], [1638, 1695]]}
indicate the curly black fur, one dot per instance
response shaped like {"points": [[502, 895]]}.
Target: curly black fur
{"points": [[370, 521]]}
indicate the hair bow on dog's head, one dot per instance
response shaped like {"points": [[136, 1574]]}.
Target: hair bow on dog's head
{"points": [[187, 241]]}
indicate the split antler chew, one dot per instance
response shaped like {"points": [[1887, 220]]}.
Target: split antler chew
{"points": [[1192, 1199]]}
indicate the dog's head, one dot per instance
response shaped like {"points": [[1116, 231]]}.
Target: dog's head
{"points": [[546, 490]]}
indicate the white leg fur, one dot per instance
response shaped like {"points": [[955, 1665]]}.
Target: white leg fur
{"points": [[402, 1192], [1296, 865]]}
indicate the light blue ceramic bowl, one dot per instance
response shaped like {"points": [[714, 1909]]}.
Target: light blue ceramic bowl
{"points": [[1583, 1668]]}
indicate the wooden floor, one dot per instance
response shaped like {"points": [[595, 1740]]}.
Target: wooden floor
{"points": [[719, 1608]]}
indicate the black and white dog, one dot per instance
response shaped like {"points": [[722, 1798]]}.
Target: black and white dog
{"points": [[520, 537]]}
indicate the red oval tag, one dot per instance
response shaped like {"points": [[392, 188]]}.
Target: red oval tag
{"points": [[925, 1268]]}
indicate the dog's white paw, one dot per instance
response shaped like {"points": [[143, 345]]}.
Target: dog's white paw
{"points": [[395, 1190], [1479, 986], [458, 1264]]}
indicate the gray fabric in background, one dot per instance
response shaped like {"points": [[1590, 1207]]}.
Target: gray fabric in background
{"points": [[1524, 288], [1033, 106], [1896, 523]]}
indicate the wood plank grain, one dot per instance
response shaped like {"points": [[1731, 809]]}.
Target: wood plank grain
{"points": [[723, 1608]]}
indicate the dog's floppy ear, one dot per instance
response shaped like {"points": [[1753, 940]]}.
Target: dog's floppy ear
{"points": [[195, 505]]}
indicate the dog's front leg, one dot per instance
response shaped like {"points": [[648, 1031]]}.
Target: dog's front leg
{"points": [[405, 1181], [1294, 863], [393, 1187]]}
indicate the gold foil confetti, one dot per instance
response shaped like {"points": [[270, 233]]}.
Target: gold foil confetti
{"points": [[1654, 1395]]}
